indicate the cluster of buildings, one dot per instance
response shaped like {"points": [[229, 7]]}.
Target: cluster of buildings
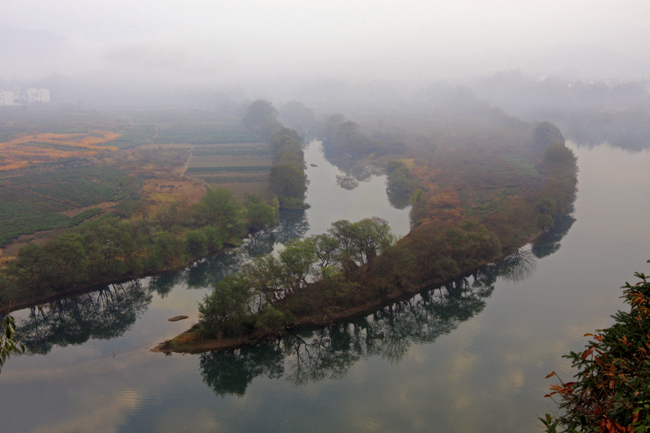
{"points": [[24, 96]]}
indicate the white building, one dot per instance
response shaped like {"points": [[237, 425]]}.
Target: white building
{"points": [[37, 95], [30, 95], [7, 97]]}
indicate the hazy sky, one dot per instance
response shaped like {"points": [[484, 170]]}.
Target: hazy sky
{"points": [[218, 42]]}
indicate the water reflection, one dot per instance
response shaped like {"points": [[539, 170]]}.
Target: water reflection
{"points": [[328, 353], [627, 129], [354, 169], [104, 314], [549, 243], [208, 272], [398, 197], [111, 311], [300, 357]]}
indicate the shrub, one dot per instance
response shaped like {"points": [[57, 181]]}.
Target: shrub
{"points": [[611, 392], [196, 242], [273, 319]]}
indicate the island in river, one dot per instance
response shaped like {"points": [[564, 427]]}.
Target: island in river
{"points": [[471, 205]]}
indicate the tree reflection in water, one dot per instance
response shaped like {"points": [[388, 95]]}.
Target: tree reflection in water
{"points": [[328, 353], [301, 356], [112, 310], [208, 272], [549, 243], [103, 314], [355, 168]]}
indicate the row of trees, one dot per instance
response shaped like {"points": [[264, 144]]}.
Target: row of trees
{"points": [[142, 242], [287, 177]]}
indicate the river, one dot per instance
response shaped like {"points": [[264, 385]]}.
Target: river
{"points": [[469, 357]]}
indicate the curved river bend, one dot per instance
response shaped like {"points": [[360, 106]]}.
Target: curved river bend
{"points": [[469, 356]]}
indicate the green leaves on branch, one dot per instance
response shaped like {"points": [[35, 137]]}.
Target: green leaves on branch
{"points": [[8, 343], [611, 392]]}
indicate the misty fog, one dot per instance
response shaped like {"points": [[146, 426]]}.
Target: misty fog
{"points": [[151, 53]]}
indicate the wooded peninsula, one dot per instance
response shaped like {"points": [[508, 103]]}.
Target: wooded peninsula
{"points": [[471, 204]]}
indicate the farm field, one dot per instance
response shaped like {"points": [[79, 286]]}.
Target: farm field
{"points": [[44, 201], [240, 168], [209, 131], [58, 168]]}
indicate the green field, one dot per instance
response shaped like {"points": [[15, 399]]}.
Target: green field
{"points": [[33, 203], [212, 132], [236, 169]]}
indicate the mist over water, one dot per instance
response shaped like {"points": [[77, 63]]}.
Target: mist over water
{"points": [[467, 356]]}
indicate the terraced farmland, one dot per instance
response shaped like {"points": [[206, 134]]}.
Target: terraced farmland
{"points": [[243, 168]]}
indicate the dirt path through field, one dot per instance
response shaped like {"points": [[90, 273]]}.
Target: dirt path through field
{"points": [[187, 164]]}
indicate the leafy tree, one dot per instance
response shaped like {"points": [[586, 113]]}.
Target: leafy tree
{"points": [[396, 266], [362, 241], [197, 243], [69, 260], [128, 208], [326, 248], [260, 216], [298, 260], [169, 218], [8, 343], [219, 207], [285, 137], [400, 184], [289, 182], [558, 153], [546, 133], [546, 205], [297, 116], [266, 277], [215, 237], [109, 247], [225, 311], [31, 268], [261, 118], [166, 251]]}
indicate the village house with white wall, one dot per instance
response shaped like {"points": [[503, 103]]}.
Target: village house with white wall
{"points": [[26, 96]]}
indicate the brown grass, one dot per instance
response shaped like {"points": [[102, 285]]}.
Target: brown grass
{"points": [[159, 191], [229, 161], [27, 149]]}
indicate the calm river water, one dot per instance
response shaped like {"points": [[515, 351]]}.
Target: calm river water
{"points": [[469, 357]]}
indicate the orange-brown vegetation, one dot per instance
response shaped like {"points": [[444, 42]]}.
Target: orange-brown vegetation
{"points": [[164, 191], [27, 149]]}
